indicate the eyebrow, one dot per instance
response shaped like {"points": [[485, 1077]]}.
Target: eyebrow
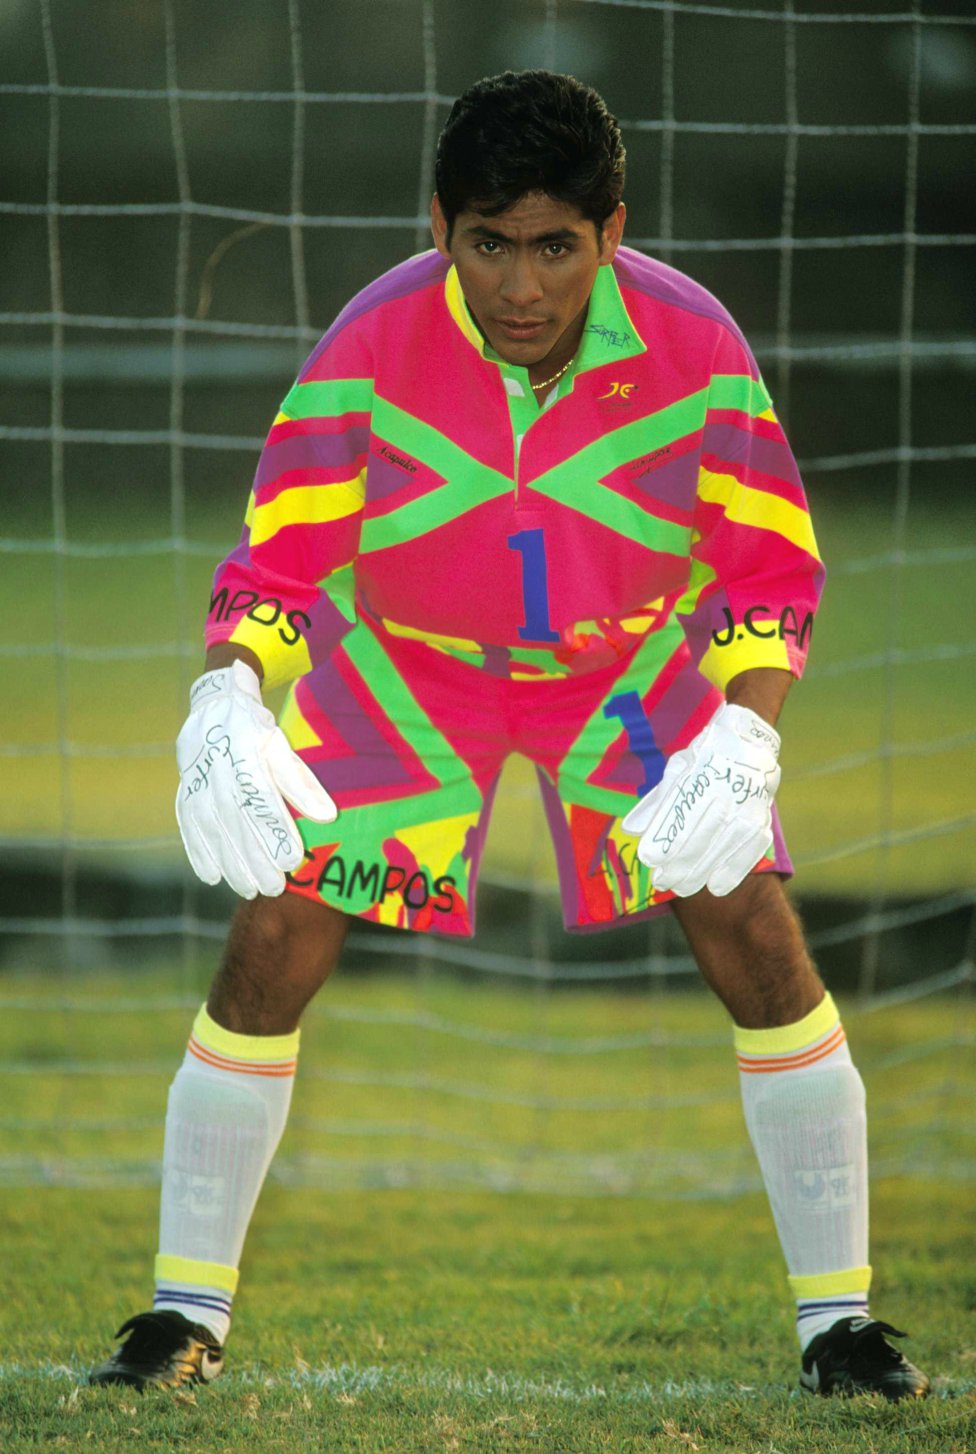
{"points": [[559, 234]]}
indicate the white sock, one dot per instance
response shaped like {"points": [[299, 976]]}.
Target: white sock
{"points": [[816, 1315], [227, 1109], [804, 1107]]}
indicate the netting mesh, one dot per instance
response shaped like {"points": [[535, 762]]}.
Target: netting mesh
{"points": [[188, 211]]}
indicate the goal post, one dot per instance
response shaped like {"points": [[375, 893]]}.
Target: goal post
{"points": [[184, 213]]}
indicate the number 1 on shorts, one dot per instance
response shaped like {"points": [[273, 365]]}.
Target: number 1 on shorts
{"points": [[531, 545], [628, 708]]}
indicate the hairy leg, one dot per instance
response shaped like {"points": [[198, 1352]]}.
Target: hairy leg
{"points": [[279, 953], [750, 949]]}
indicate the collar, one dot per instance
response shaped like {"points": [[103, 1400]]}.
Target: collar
{"points": [[608, 333]]}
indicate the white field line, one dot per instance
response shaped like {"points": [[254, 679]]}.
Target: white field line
{"points": [[351, 1380]]}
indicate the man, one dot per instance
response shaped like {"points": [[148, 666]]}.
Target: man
{"points": [[528, 493]]}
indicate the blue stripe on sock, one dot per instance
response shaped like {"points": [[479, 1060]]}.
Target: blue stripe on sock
{"points": [[174, 1295], [832, 1302], [217, 1304], [809, 1310]]}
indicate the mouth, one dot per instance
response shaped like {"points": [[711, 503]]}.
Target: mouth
{"points": [[521, 330]]}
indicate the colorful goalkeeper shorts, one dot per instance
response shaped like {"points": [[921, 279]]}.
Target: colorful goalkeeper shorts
{"points": [[410, 742]]}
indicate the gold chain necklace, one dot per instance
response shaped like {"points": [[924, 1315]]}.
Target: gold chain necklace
{"points": [[546, 382]]}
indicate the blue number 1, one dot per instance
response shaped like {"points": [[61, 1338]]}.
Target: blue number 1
{"points": [[531, 546], [627, 706]]}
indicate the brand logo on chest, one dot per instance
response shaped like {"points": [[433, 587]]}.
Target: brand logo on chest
{"points": [[402, 461], [620, 392]]}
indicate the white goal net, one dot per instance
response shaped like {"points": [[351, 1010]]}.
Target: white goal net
{"points": [[190, 197]]}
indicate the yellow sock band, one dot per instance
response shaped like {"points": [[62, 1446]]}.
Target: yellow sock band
{"points": [[243, 1047], [783, 1038], [831, 1284], [197, 1274]]}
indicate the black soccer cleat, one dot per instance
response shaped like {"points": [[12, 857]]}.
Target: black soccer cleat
{"points": [[163, 1350], [854, 1356]]}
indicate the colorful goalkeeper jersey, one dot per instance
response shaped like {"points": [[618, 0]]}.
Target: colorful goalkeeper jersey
{"points": [[412, 479], [449, 573]]}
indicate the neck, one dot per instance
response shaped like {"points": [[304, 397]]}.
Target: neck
{"points": [[562, 351]]}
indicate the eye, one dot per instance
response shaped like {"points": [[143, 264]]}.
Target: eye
{"points": [[488, 243]]}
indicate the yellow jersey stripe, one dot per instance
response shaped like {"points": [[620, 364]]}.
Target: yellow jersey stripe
{"points": [[307, 505], [458, 310], [433, 638], [281, 662], [745, 506], [296, 726]]}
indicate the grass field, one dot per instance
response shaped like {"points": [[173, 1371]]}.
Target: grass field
{"points": [[418, 1080], [438, 1315], [112, 705], [440, 1323], [396, 1296]]}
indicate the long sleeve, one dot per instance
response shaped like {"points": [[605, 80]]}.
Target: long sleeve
{"points": [[286, 590], [756, 574]]}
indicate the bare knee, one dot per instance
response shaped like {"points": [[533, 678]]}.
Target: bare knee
{"points": [[751, 951], [279, 952]]}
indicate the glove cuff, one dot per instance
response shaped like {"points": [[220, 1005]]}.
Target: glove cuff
{"points": [[247, 679], [748, 725], [224, 679]]}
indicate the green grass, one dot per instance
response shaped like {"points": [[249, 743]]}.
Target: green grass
{"points": [[441, 1316], [417, 1079], [409, 1321]]}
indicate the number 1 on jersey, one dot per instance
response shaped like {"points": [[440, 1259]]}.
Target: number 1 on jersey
{"points": [[531, 545]]}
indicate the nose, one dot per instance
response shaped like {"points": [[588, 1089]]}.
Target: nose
{"points": [[520, 287]]}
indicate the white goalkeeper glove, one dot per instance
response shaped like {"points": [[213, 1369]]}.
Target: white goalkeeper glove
{"points": [[708, 821], [237, 771]]}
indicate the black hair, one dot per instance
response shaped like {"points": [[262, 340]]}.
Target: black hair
{"points": [[529, 131]]}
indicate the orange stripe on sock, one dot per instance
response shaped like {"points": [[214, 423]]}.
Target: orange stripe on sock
{"points": [[792, 1062], [241, 1067]]}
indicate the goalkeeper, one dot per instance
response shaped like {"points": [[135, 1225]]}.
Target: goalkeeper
{"points": [[528, 494]]}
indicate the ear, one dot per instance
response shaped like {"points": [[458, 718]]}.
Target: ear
{"points": [[439, 227], [612, 233]]}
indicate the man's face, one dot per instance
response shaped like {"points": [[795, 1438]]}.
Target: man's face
{"points": [[527, 273]]}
